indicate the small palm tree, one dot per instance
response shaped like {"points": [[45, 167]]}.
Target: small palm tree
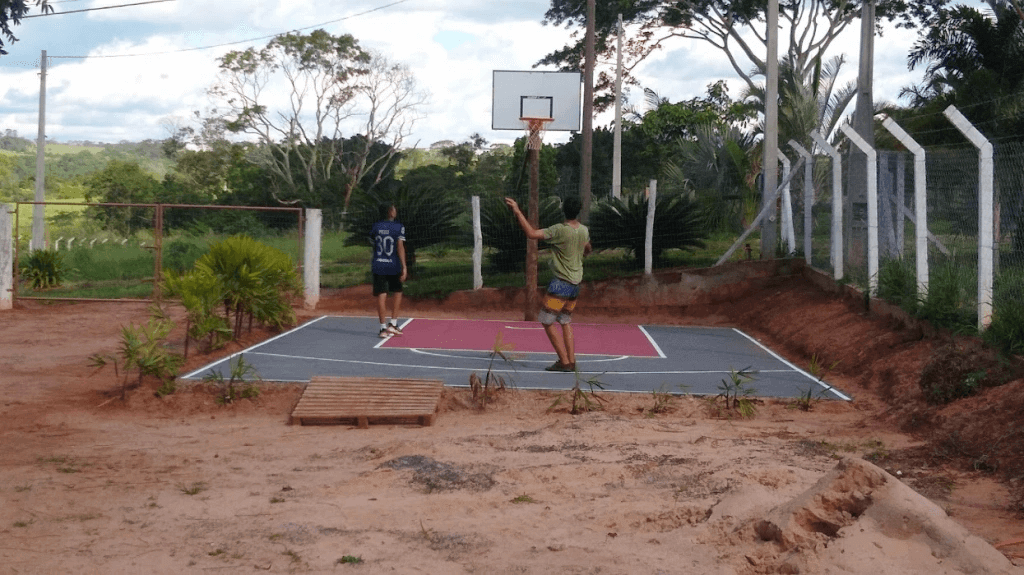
{"points": [[622, 223], [502, 233], [428, 212], [718, 169]]}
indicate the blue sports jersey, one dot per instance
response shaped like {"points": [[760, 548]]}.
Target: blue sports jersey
{"points": [[385, 236]]}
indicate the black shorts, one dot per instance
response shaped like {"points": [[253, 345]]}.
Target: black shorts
{"points": [[385, 284]]}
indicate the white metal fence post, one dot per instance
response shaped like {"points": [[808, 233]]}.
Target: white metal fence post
{"points": [[311, 269], [808, 196], [787, 206], [986, 213], [872, 176], [478, 245], [649, 234], [6, 258], [920, 203], [836, 252]]}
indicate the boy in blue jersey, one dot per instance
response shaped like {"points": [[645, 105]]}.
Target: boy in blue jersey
{"points": [[388, 267]]}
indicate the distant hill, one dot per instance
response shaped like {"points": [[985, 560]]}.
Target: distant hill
{"points": [[72, 160]]}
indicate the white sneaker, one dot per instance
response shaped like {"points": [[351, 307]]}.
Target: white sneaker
{"points": [[393, 330], [384, 333]]}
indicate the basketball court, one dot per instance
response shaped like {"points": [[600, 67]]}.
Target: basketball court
{"points": [[622, 357]]}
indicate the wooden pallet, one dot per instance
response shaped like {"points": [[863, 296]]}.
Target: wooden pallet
{"points": [[332, 400]]}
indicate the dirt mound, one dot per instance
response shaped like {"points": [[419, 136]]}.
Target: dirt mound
{"points": [[857, 506]]}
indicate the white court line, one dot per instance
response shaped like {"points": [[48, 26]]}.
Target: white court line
{"points": [[512, 352], [249, 349], [795, 368], [653, 343], [442, 368]]}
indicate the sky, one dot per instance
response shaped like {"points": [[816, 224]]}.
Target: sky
{"points": [[127, 73]]}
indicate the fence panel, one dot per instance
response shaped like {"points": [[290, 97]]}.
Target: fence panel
{"points": [[120, 251]]}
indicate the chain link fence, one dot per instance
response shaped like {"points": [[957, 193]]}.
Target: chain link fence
{"points": [[952, 241], [120, 251]]}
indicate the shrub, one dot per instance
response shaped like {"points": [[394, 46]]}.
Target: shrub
{"points": [[897, 284], [622, 223], [249, 279], [502, 233], [180, 256], [428, 214], [44, 269], [1006, 333], [952, 373], [144, 351]]}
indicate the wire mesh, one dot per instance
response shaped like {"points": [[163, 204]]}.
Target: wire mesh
{"points": [[120, 251]]}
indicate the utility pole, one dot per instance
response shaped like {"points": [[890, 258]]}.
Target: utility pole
{"points": [[38, 222], [586, 159], [617, 145], [769, 227], [856, 224]]}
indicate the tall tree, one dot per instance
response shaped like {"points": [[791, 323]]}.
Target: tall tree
{"points": [[294, 96], [734, 27], [391, 100], [974, 61], [11, 13]]}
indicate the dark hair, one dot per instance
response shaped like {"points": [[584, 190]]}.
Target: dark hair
{"points": [[384, 211], [571, 207]]}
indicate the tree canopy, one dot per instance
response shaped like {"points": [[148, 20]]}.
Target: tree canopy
{"points": [[734, 27], [11, 13]]}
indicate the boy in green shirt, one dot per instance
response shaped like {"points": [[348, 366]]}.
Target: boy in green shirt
{"points": [[569, 241]]}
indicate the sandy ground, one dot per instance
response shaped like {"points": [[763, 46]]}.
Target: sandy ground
{"points": [[180, 484]]}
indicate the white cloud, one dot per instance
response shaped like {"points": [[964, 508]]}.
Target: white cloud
{"points": [[451, 46]]}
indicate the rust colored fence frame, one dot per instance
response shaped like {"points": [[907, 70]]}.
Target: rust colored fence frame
{"points": [[157, 247]]}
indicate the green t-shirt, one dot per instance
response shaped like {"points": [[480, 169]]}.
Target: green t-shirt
{"points": [[567, 244]]}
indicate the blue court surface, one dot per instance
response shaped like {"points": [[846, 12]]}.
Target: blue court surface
{"points": [[623, 358]]}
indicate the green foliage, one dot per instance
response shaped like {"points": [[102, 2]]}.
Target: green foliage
{"points": [[122, 182], [425, 208], [951, 302], [503, 235], [44, 269], [1006, 333], [718, 166], [736, 393], [254, 280], [179, 256], [897, 284], [144, 351], [202, 296], [241, 374], [622, 223], [580, 400], [484, 391], [350, 559], [951, 374]]}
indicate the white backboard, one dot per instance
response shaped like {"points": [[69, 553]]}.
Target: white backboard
{"points": [[534, 94]]}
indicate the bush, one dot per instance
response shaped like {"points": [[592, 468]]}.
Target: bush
{"points": [[44, 269], [502, 233], [952, 373], [249, 279], [1006, 333], [897, 284], [180, 256], [622, 223], [428, 214]]}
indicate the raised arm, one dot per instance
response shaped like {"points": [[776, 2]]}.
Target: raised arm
{"points": [[530, 231]]}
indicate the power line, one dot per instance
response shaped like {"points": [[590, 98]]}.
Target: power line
{"points": [[92, 9], [182, 50]]}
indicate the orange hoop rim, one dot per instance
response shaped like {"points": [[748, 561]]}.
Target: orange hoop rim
{"points": [[534, 130]]}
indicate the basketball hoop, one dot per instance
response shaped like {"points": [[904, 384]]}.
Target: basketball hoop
{"points": [[534, 131]]}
